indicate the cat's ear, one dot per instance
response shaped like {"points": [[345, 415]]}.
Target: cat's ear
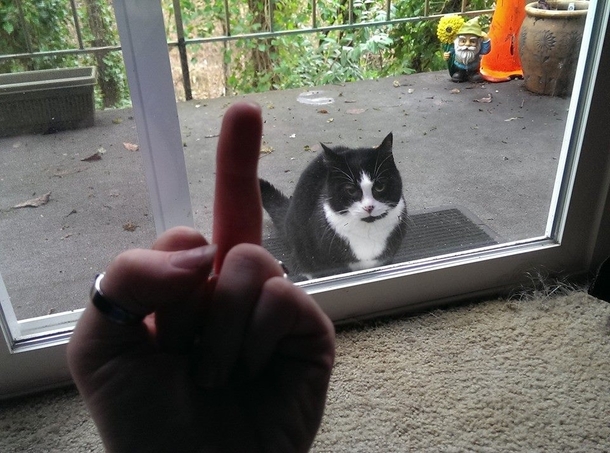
{"points": [[386, 144], [329, 153]]}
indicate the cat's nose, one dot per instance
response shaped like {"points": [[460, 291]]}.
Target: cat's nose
{"points": [[369, 209]]}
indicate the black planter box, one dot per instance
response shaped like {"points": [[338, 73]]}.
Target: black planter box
{"points": [[38, 102]]}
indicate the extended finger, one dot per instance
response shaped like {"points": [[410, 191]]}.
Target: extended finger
{"points": [[246, 269], [237, 201]]}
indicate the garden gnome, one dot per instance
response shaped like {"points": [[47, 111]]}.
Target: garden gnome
{"points": [[464, 58]]}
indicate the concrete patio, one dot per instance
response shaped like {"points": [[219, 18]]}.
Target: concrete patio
{"points": [[492, 149]]}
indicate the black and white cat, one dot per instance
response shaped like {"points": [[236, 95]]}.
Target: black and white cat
{"points": [[347, 211]]}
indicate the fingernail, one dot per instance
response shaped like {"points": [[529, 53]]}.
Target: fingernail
{"points": [[194, 258]]}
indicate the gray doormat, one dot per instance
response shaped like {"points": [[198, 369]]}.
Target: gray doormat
{"points": [[429, 233], [444, 230]]}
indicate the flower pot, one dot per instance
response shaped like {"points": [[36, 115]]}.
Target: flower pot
{"points": [[549, 44]]}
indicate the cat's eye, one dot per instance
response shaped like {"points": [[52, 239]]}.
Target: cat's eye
{"points": [[351, 190], [379, 186]]}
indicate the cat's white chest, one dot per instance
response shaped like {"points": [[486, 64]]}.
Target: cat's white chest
{"points": [[366, 240]]}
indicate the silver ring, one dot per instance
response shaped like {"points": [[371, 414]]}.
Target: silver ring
{"points": [[284, 268], [110, 309]]}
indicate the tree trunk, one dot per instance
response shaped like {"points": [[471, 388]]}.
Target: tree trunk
{"points": [[102, 36], [261, 59]]}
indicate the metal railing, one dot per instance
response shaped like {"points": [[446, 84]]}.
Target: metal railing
{"points": [[31, 53], [182, 42]]}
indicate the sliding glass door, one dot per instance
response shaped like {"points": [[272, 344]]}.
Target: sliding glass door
{"points": [[553, 196]]}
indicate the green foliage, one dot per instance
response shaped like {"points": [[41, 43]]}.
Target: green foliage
{"points": [[333, 57], [49, 26], [314, 59], [112, 90], [416, 46], [266, 63], [200, 17]]}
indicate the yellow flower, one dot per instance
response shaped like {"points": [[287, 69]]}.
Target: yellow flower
{"points": [[448, 28]]}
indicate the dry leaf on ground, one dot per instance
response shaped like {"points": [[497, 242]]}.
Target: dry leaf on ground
{"points": [[93, 157], [355, 111], [266, 149], [130, 226], [485, 100], [34, 202], [61, 172], [130, 146]]}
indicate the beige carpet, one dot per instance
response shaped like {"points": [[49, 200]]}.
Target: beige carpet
{"points": [[531, 375]]}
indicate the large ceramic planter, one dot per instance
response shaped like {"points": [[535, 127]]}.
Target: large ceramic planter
{"points": [[46, 101], [549, 45]]}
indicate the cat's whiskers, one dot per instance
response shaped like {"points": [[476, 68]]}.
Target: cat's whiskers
{"points": [[408, 221], [347, 176], [354, 179], [378, 166], [379, 174]]}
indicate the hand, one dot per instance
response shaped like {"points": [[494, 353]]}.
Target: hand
{"points": [[236, 363]]}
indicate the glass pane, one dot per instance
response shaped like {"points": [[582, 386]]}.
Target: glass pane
{"points": [[477, 160], [483, 171], [73, 192]]}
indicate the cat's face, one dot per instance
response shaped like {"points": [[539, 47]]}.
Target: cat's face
{"points": [[363, 183]]}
